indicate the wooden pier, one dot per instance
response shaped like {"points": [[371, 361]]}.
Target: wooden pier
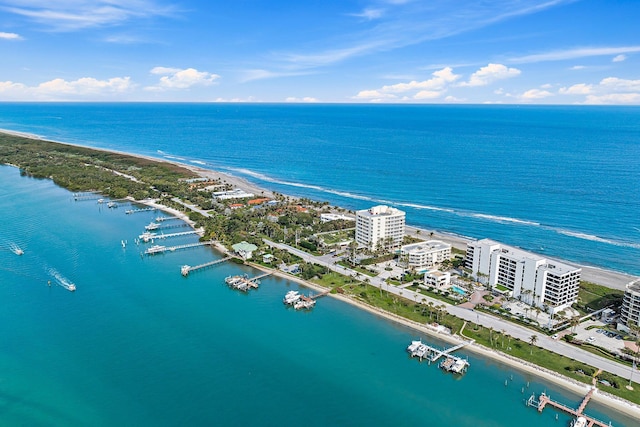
{"points": [[439, 353], [132, 211], [321, 294], [186, 269], [154, 250], [545, 400], [166, 218], [152, 236]]}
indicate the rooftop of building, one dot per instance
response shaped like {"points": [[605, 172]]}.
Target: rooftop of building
{"points": [[380, 210], [634, 286], [553, 266], [429, 245]]}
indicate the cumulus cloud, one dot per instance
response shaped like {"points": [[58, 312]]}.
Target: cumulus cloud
{"points": [[610, 90], [9, 36], [619, 58], [532, 94], [490, 74], [577, 89], [304, 99], [427, 89], [61, 89], [177, 78]]}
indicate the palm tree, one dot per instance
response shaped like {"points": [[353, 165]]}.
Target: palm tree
{"points": [[503, 334], [575, 321], [532, 340], [491, 336]]}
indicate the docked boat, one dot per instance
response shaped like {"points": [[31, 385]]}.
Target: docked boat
{"points": [[579, 422], [418, 349], [155, 249], [112, 205], [291, 297], [146, 236], [152, 226], [185, 270], [100, 201], [304, 302], [455, 365]]}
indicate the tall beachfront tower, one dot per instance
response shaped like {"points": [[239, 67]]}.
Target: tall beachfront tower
{"points": [[380, 227], [529, 277], [630, 311]]}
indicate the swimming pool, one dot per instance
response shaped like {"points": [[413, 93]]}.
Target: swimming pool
{"points": [[458, 290]]}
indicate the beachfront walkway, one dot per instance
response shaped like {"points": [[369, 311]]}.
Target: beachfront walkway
{"points": [[481, 318]]}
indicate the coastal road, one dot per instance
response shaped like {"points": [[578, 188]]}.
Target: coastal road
{"points": [[483, 319]]}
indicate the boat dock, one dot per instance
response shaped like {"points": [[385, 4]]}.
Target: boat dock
{"points": [[186, 269], [147, 236], [432, 354], [244, 283], [159, 249], [79, 197], [132, 211], [165, 218], [545, 400], [298, 301], [423, 351], [156, 226]]}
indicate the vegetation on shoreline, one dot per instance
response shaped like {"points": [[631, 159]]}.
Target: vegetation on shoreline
{"points": [[119, 175]]}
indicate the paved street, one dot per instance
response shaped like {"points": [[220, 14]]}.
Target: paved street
{"points": [[486, 320]]}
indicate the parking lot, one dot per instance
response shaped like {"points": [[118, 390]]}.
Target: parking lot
{"points": [[593, 332]]}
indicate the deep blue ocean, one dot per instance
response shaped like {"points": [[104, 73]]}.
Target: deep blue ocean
{"points": [[563, 181], [139, 345]]}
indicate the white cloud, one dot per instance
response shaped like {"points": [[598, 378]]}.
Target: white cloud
{"points": [[74, 15], [177, 78], [577, 89], [10, 36], [427, 89], [60, 89], [613, 99], [427, 94], [610, 90], [369, 14], [490, 74], [578, 67], [453, 99], [258, 74], [304, 99], [620, 85], [561, 55], [535, 94], [249, 99], [546, 86], [619, 58]]}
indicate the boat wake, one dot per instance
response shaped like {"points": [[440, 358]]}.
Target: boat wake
{"points": [[60, 280], [16, 249]]}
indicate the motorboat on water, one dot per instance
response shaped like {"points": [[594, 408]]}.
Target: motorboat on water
{"points": [[16, 249], [291, 297]]}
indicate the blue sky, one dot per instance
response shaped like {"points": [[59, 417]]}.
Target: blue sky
{"points": [[394, 51]]}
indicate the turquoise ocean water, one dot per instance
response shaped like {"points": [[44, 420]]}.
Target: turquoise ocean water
{"points": [[559, 180], [139, 345]]}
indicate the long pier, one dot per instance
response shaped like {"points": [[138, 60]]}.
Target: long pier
{"points": [[166, 218], [186, 269], [449, 350], [321, 294], [151, 236], [545, 400], [162, 249], [132, 211]]}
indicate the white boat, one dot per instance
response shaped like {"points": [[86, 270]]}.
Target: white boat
{"points": [[152, 226], [100, 201], [291, 297], [185, 270], [112, 205], [16, 249], [155, 249], [579, 422]]}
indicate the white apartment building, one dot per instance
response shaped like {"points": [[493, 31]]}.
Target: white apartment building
{"points": [[630, 311], [437, 278], [529, 277], [425, 254], [380, 226]]}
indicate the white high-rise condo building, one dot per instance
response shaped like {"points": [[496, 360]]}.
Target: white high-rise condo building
{"points": [[630, 311], [380, 227], [535, 280]]}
